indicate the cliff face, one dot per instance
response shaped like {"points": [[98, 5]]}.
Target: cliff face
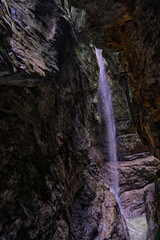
{"points": [[47, 114], [132, 29], [136, 166], [50, 173], [96, 214]]}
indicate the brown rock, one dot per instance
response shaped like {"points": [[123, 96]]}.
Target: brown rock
{"points": [[96, 214], [45, 129], [136, 177], [132, 29], [151, 214]]}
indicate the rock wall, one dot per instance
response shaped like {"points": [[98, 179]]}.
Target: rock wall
{"points": [[132, 29], [47, 122], [129, 144], [136, 166], [151, 212], [96, 214], [47, 115], [136, 177]]}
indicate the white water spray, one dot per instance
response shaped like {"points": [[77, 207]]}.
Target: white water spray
{"points": [[105, 110]]}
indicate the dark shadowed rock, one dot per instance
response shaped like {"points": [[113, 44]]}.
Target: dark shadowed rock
{"points": [[45, 122], [151, 212], [132, 29], [96, 214], [135, 178], [136, 166]]}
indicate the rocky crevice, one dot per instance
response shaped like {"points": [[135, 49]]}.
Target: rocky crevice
{"points": [[48, 118], [53, 182], [96, 214], [131, 28], [137, 167]]}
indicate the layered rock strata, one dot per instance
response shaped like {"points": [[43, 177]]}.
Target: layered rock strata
{"points": [[137, 167], [151, 213], [96, 214], [48, 117], [136, 177], [132, 29], [47, 113]]}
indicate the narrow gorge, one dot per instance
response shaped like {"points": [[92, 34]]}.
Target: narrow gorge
{"points": [[79, 120]]}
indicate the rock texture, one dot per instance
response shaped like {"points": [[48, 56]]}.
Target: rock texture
{"points": [[96, 214], [47, 122], [151, 213], [132, 28], [129, 144], [135, 178], [136, 166]]}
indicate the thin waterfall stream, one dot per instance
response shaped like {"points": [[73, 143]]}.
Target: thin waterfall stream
{"points": [[105, 111], [137, 226]]}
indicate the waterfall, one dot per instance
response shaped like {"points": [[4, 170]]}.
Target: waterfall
{"points": [[105, 111]]}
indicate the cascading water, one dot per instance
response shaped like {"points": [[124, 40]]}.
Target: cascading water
{"points": [[105, 111], [138, 226]]}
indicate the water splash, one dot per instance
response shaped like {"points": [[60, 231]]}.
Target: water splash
{"points": [[137, 228], [105, 111]]}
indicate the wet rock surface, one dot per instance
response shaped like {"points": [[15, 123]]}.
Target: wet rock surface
{"points": [[42, 157], [137, 167], [45, 122], [48, 117], [136, 178], [51, 188], [129, 145], [132, 29], [96, 214], [137, 228], [150, 197]]}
